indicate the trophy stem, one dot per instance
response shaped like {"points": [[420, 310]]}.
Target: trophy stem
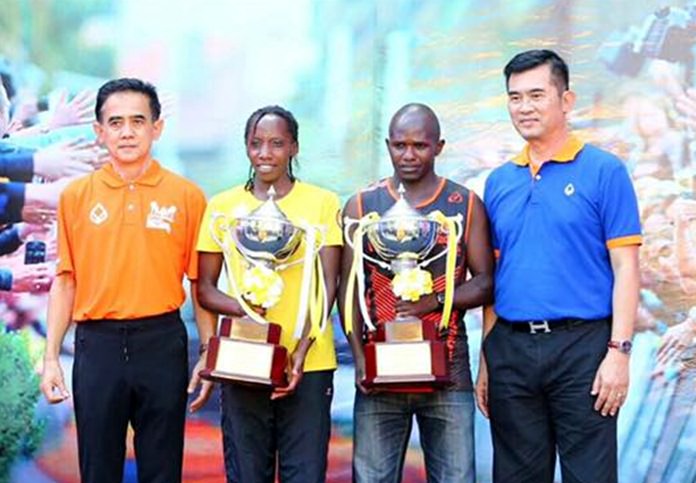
{"points": [[404, 262]]}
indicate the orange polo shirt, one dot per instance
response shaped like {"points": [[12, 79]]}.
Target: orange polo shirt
{"points": [[128, 244]]}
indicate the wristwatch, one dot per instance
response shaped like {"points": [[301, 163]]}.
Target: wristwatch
{"points": [[202, 348], [623, 346], [440, 297]]}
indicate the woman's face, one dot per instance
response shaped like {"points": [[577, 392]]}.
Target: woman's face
{"points": [[270, 147]]}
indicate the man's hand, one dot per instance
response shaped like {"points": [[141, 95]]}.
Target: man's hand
{"points": [[360, 375], [34, 278], [79, 110], [41, 200], [52, 383], [424, 305], [196, 380], [68, 158], [611, 383], [25, 230], [481, 389]]}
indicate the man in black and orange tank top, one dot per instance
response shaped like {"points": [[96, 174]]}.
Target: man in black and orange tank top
{"points": [[382, 419]]}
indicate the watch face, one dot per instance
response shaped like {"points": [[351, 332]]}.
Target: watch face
{"points": [[624, 346]]}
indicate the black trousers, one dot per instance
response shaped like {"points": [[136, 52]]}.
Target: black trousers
{"points": [[540, 403], [133, 372], [290, 434]]}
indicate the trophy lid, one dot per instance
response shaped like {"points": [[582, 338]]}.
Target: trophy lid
{"points": [[269, 210], [401, 209]]}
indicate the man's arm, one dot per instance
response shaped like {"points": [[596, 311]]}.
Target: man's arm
{"points": [[16, 164], [60, 306], [481, 388], [611, 382], [206, 323], [355, 337]]}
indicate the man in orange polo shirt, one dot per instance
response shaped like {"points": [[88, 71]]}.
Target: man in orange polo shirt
{"points": [[126, 236]]}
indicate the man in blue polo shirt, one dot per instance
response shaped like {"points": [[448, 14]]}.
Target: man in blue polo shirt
{"points": [[566, 230]]}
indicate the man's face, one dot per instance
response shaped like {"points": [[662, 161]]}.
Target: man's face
{"points": [[126, 128], [413, 148], [537, 109]]}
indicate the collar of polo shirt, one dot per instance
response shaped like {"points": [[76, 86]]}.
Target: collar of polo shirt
{"points": [[151, 177], [567, 153]]}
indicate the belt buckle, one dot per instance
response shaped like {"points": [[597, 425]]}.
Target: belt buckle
{"points": [[542, 326]]}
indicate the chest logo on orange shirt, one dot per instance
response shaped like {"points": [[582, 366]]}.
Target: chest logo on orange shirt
{"points": [[160, 217], [98, 214]]}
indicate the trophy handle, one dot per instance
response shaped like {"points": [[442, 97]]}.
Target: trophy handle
{"points": [[347, 224], [347, 236], [215, 218], [220, 221], [459, 232], [356, 272], [453, 224]]}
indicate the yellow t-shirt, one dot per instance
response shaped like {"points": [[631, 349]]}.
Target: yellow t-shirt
{"points": [[304, 203]]}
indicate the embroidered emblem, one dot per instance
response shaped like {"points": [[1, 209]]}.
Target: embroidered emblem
{"points": [[455, 197], [160, 218], [98, 214], [569, 189]]}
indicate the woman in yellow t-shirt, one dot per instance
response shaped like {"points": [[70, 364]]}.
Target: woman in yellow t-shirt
{"points": [[289, 424]]}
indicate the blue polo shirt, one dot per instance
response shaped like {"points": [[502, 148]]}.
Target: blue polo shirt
{"points": [[552, 231]]}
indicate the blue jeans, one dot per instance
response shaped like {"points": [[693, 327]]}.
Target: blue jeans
{"points": [[382, 427]]}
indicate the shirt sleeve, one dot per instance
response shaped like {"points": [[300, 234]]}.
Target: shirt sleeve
{"points": [[331, 219], [206, 242], [488, 204], [65, 258], [16, 164], [619, 207], [11, 202], [9, 240], [197, 206]]}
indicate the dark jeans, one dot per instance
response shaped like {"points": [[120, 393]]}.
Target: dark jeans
{"points": [[295, 429], [131, 372], [382, 426], [540, 402]]}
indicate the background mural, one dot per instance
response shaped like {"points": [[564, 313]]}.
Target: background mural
{"points": [[343, 68]]}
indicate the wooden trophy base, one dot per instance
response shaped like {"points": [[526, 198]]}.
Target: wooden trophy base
{"points": [[407, 354], [246, 352]]}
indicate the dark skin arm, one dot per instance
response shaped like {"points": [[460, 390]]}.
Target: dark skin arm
{"points": [[476, 291], [354, 338], [209, 296], [330, 258]]}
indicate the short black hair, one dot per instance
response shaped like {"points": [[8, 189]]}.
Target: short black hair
{"points": [[128, 84], [531, 59], [250, 129]]}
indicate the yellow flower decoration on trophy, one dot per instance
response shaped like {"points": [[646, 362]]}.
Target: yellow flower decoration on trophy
{"points": [[261, 286], [412, 284]]}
